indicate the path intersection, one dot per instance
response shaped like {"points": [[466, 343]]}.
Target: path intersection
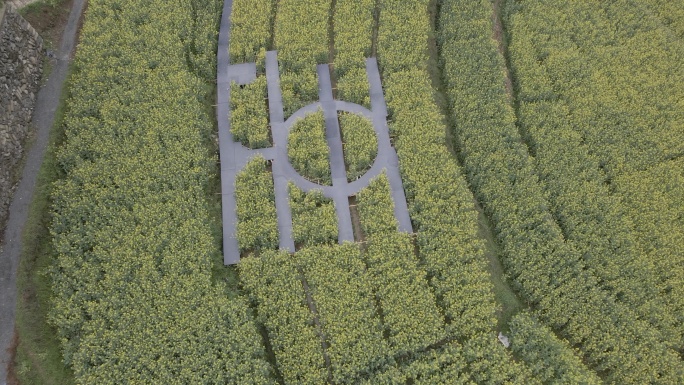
{"points": [[234, 156]]}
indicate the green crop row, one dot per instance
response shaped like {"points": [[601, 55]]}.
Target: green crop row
{"points": [[376, 208], [308, 150], [250, 31], [257, 227], [314, 220], [402, 36], [410, 313], [301, 38], [298, 89], [134, 300], [342, 291], [549, 271], [353, 32], [440, 204], [353, 87], [669, 13], [445, 365], [249, 115], [275, 285], [200, 36], [590, 216], [360, 144], [654, 198], [551, 359], [617, 69], [477, 361], [250, 35]]}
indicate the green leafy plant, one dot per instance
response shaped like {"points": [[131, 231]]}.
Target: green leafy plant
{"points": [[308, 150], [360, 144], [314, 220], [257, 227], [133, 297], [249, 115]]}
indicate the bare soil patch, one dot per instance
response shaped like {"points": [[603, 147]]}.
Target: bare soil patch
{"points": [[49, 20]]}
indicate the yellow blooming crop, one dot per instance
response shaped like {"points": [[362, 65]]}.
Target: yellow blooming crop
{"points": [[133, 296]]}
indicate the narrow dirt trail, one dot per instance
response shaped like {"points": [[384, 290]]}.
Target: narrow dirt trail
{"points": [[499, 36], [43, 119]]}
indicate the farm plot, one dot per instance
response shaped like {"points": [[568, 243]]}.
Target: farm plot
{"points": [[364, 247], [134, 300], [647, 136], [307, 154], [544, 167], [396, 298]]}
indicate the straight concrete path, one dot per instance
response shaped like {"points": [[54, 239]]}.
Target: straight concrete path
{"points": [[392, 160], [231, 251], [279, 132], [338, 170], [43, 120]]}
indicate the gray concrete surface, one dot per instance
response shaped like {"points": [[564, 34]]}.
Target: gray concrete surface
{"points": [[2, 12], [392, 160], [280, 164], [226, 149], [234, 155], [43, 118], [337, 169]]}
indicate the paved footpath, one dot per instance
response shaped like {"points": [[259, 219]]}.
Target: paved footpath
{"points": [[337, 169], [280, 170], [43, 118], [234, 156]]}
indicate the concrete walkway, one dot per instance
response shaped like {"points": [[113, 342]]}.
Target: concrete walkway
{"points": [[338, 170], [43, 119], [279, 133], [234, 156]]}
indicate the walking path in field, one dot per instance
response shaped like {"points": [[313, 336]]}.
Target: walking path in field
{"points": [[234, 156], [43, 119]]}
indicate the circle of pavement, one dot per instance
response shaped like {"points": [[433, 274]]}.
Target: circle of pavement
{"points": [[350, 188]]}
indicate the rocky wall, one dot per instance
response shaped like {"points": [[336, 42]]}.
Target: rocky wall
{"points": [[21, 57]]}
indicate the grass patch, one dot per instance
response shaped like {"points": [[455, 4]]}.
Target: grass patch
{"points": [[48, 18], [38, 357], [504, 294]]}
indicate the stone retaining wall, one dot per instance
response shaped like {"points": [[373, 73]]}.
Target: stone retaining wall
{"points": [[21, 57]]}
